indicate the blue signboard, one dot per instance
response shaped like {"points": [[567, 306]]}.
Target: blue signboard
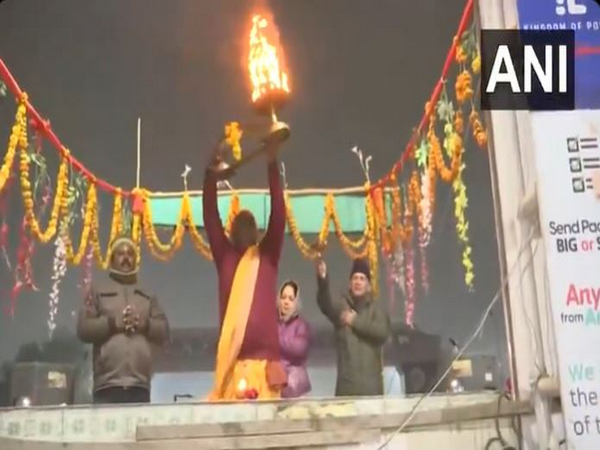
{"points": [[583, 16]]}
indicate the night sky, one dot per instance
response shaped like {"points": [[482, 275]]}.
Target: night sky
{"points": [[360, 73]]}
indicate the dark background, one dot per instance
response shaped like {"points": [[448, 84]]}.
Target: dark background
{"points": [[360, 73]]}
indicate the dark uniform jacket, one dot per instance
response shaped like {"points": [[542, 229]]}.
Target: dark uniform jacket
{"points": [[359, 347], [120, 359]]}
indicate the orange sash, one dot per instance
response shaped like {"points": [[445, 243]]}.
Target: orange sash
{"points": [[236, 319]]}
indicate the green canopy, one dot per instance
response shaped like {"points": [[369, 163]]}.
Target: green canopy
{"points": [[308, 208]]}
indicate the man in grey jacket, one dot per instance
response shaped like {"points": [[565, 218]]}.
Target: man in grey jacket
{"points": [[361, 330], [122, 320]]}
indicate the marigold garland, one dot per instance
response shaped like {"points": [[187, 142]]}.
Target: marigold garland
{"points": [[479, 133], [460, 54], [89, 220], [159, 250], [233, 135], [476, 63], [463, 86], [27, 194], [357, 248], [103, 261], [451, 142], [446, 173], [197, 240], [16, 138], [309, 251], [462, 226], [459, 123]]}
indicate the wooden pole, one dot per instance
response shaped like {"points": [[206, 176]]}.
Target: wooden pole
{"points": [[139, 158]]}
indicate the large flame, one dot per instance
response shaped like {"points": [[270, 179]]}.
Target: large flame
{"points": [[265, 60]]}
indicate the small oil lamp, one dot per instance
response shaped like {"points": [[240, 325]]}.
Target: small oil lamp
{"points": [[245, 393]]}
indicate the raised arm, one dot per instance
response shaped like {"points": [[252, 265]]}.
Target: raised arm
{"points": [[325, 302], [272, 242], [217, 238], [92, 327], [373, 325]]}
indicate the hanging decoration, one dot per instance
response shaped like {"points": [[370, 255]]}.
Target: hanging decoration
{"points": [[233, 135], [425, 224], [88, 271], [59, 270], [389, 222], [409, 260], [4, 227]]}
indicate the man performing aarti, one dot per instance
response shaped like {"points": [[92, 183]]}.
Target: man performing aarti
{"points": [[248, 357]]}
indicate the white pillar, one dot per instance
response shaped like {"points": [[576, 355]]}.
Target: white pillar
{"points": [[513, 176]]}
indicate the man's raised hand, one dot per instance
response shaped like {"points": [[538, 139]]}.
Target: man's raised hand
{"points": [[321, 269]]}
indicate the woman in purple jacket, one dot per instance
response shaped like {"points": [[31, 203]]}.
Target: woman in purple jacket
{"points": [[294, 339]]}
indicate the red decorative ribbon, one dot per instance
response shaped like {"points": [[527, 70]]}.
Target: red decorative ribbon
{"points": [[43, 127], [433, 99]]}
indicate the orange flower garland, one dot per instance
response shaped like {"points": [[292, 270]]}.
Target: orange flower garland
{"points": [[435, 153], [18, 136], [159, 250], [197, 240], [464, 90], [460, 54], [479, 133], [89, 220], [115, 228], [309, 251], [27, 195], [459, 123]]}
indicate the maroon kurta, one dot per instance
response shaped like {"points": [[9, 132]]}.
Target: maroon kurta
{"points": [[261, 340]]}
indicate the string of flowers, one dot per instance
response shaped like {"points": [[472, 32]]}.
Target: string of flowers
{"points": [[355, 248], [197, 239], [409, 269], [103, 260], [89, 218], [468, 49], [23, 273], [26, 192], [159, 250], [372, 251], [425, 227], [59, 270], [17, 138], [309, 251], [4, 227], [87, 273]]}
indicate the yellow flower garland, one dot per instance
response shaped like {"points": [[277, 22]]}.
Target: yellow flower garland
{"points": [[355, 249], [89, 220], [115, 228], [159, 250], [309, 251], [27, 195], [233, 135], [17, 136]]}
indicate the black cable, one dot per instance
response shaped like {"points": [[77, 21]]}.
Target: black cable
{"points": [[499, 438]]}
